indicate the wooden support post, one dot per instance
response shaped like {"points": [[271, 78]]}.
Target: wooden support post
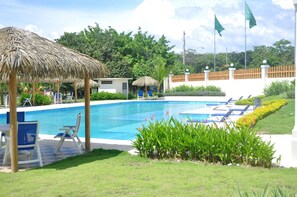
{"points": [[33, 93], [13, 122], [87, 114]]}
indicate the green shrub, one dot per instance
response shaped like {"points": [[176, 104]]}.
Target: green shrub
{"points": [[248, 101], [290, 94], [201, 93], [40, 99], [173, 139], [268, 108], [185, 90], [107, 96], [278, 87]]}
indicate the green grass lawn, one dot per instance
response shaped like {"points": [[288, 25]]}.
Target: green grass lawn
{"points": [[115, 173], [280, 122]]}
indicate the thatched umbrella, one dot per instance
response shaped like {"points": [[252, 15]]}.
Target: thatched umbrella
{"points": [[29, 56], [145, 81], [81, 84]]}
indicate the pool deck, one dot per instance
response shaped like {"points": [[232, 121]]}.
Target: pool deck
{"points": [[285, 145]]}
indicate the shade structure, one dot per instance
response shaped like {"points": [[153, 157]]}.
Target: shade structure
{"points": [[81, 84], [27, 56], [145, 81]]}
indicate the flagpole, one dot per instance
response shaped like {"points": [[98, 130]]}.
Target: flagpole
{"points": [[244, 35], [214, 49]]}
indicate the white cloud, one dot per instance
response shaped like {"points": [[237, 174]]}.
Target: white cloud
{"points": [[284, 4], [161, 17], [35, 29]]}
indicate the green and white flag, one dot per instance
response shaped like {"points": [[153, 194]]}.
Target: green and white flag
{"points": [[249, 16], [218, 26]]}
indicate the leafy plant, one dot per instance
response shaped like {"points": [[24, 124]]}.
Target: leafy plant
{"points": [[173, 139], [248, 101], [268, 107], [40, 99], [185, 90], [107, 96], [278, 87]]}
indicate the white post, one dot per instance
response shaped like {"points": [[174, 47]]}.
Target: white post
{"points": [[187, 73], [231, 72], [264, 72], [206, 76], [170, 81], [294, 131]]}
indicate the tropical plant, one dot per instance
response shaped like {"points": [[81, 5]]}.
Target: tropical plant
{"points": [[173, 139]]}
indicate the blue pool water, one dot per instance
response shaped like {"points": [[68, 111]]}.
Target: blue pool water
{"points": [[111, 121]]}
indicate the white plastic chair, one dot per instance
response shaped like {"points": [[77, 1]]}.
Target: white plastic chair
{"points": [[58, 98], [28, 100], [69, 97], [6, 102], [27, 142], [71, 132]]}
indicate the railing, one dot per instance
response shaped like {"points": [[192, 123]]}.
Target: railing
{"points": [[281, 71], [252, 73], [196, 77], [220, 75], [178, 78]]}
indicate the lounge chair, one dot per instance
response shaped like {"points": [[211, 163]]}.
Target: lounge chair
{"points": [[150, 95], [233, 101], [57, 98], [257, 102], [20, 118], [28, 100], [215, 118], [27, 143], [140, 94], [69, 97], [240, 110], [228, 102], [71, 132]]}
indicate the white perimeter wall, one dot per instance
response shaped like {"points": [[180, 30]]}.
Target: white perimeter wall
{"points": [[236, 88]]}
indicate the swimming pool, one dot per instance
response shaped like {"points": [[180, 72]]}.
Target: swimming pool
{"points": [[117, 121]]}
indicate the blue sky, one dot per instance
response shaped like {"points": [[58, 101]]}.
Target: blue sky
{"points": [[51, 18]]}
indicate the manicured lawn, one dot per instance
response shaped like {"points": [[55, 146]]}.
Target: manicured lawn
{"points": [[280, 122], [115, 173]]}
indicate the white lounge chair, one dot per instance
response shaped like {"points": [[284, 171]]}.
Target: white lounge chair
{"points": [[27, 143], [71, 132], [28, 100], [69, 97]]}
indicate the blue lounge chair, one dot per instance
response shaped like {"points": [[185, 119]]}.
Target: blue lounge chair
{"points": [[219, 118], [241, 110], [20, 118], [227, 102], [150, 95], [27, 142], [140, 94]]}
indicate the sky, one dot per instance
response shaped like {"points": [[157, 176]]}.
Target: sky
{"points": [[51, 18]]}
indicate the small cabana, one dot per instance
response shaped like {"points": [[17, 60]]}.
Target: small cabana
{"points": [[27, 56]]}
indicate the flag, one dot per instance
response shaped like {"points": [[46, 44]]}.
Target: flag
{"points": [[249, 16], [218, 26]]}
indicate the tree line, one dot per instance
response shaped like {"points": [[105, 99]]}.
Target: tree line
{"points": [[141, 54]]}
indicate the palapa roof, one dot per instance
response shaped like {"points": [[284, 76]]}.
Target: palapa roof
{"points": [[35, 57], [145, 81]]}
